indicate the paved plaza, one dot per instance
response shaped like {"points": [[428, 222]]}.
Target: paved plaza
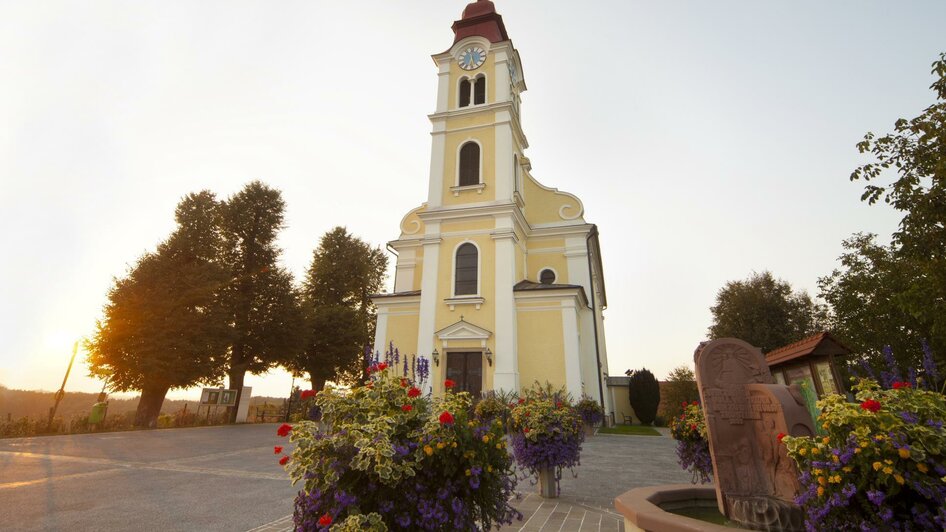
{"points": [[226, 478]]}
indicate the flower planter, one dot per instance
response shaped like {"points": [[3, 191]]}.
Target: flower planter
{"points": [[547, 484]]}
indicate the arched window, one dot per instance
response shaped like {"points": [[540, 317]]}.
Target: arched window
{"points": [[466, 274], [470, 164], [547, 276], [464, 92], [479, 90]]}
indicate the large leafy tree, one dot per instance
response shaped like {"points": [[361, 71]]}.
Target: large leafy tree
{"points": [[765, 312], [896, 294], [680, 388], [163, 327], [263, 307], [344, 272]]}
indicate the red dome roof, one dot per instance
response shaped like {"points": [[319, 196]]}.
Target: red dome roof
{"points": [[480, 18]]}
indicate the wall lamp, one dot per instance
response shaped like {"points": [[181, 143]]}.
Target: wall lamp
{"points": [[489, 356], [436, 357]]}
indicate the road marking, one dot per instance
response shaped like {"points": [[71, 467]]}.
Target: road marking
{"points": [[283, 524], [10, 485]]}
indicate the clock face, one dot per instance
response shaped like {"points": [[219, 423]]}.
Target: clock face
{"points": [[472, 58]]}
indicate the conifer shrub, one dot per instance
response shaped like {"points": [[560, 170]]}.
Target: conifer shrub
{"points": [[644, 394]]}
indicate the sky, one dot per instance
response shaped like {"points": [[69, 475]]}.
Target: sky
{"points": [[707, 140]]}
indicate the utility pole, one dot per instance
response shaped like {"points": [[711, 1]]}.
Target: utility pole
{"points": [[62, 389]]}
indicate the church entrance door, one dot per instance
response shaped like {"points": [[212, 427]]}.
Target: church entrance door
{"points": [[466, 370]]}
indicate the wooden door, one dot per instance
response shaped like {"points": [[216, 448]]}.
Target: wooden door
{"points": [[466, 370]]}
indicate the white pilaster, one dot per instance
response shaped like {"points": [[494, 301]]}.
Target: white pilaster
{"points": [[572, 348], [437, 146], [501, 73], [404, 271], [506, 358], [428, 298], [504, 170], [443, 86], [381, 330]]}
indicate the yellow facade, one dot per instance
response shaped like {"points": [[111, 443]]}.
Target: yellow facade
{"points": [[468, 291]]}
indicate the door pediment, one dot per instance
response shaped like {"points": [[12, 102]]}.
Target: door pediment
{"points": [[463, 330]]}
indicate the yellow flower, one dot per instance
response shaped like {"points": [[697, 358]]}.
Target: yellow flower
{"points": [[440, 445], [835, 458], [820, 491], [898, 478], [835, 479], [429, 450], [888, 462], [468, 472], [817, 471], [486, 438], [499, 446], [802, 451], [822, 480], [847, 469], [904, 453], [815, 450], [489, 469], [825, 439], [879, 437], [454, 445], [888, 470], [877, 466], [864, 444], [825, 427], [470, 423], [857, 450], [922, 467]]}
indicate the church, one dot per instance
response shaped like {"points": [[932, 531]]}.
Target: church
{"points": [[498, 280]]}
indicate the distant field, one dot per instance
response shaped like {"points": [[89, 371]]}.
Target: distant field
{"points": [[34, 404]]}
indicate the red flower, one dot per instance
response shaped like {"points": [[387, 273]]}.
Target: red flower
{"points": [[521, 401], [694, 403], [413, 392], [284, 429], [898, 385], [407, 408], [449, 383], [685, 404], [525, 430], [403, 383], [871, 405], [382, 366], [277, 449], [307, 394], [558, 405], [369, 385], [325, 520], [284, 460], [780, 436], [372, 368], [446, 418], [692, 426]]}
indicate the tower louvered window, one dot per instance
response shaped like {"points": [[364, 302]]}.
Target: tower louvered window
{"points": [[466, 273], [479, 90], [470, 164], [464, 92]]}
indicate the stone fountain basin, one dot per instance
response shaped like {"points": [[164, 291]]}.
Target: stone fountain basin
{"points": [[646, 509]]}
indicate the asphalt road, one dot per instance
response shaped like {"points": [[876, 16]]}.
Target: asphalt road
{"points": [[207, 478]]}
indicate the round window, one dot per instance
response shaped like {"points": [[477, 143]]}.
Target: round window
{"points": [[546, 276]]}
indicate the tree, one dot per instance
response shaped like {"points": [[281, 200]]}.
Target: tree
{"points": [[163, 327], [644, 394], [340, 317], [765, 312], [263, 306], [680, 388], [896, 295]]}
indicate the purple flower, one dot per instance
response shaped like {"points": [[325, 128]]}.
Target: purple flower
{"points": [[875, 496], [909, 417], [929, 365]]}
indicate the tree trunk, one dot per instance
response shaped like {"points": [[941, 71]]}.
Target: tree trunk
{"points": [[149, 406], [235, 382], [317, 382]]}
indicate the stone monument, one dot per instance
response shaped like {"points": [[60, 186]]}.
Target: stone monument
{"points": [[756, 481]]}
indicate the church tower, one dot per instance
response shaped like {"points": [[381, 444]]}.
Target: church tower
{"points": [[498, 279]]}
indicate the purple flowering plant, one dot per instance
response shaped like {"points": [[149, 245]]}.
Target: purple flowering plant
{"points": [[385, 457], [881, 464], [546, 432], [590, 411], [689, 429]]}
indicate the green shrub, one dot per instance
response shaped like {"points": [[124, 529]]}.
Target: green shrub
{"points": [[644, 395]]}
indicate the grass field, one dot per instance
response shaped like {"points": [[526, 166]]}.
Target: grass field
{"points": [[634, 430]]}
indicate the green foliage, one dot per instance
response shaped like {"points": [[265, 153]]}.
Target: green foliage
{"points": [[882, 458], [765, 312], [264, 314], [680, 388], [163, 326], [495, 405], [629, 430], [339, 315], [644, 395], [894, 295], [372, 522]]}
